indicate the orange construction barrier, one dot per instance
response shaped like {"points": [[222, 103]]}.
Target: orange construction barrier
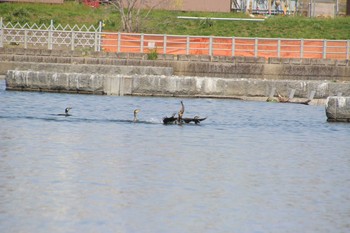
{"points": [[225, 46]]}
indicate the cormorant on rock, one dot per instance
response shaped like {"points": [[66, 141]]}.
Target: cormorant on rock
{"points": [[181, 113]]}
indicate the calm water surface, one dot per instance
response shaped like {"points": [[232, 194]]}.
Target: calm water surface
{"points": [[251, 167]]}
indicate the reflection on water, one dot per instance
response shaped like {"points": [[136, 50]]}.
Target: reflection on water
{"points": [[250, 167]]}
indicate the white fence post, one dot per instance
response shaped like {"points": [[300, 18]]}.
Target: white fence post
{"points": [[233, 46], [302, 48], [256, 47], [72, 41], [187, 45], [98, 35], [211, 46], [324, 53], [99, 43], [279, 48], [1, 34], [50, 36], [347, 49], [25, 38], [164, 44], [142, 42], [119, 38]]}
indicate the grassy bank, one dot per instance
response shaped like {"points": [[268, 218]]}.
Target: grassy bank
{"points": [[165, 22]]}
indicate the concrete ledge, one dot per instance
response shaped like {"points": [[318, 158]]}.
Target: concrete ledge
{"points": [[229, 87], [203, 58], [90, 69], [68, 82], [338, 109], [231, 67]]}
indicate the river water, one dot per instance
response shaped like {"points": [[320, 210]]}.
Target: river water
{"points": [[250, 167]]}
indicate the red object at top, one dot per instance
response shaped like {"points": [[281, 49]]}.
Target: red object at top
{"points": [[92, 3]]}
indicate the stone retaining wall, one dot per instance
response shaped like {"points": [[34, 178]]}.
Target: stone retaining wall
{"points": [[191, 65]]}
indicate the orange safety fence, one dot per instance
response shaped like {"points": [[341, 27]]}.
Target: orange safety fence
{"points": [[225, 46]]}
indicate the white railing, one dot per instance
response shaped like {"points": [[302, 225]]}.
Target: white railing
{"points": [[56, 36], [50, 36]]}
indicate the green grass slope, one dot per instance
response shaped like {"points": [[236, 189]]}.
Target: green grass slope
{"points": [[165, 22]]}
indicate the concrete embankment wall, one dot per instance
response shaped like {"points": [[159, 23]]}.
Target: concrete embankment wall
{"points": [[160, 85], [126, 74], [190, 65]]}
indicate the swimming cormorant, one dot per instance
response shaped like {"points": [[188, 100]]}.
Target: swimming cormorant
{"points": [[66, 112], [135, 114]]}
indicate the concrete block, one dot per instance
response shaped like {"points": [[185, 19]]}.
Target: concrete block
{"points": [[257, 87], [223, 59], [194, 58], [166, 57], [7, 57], [30, 52], [238, 59], [59, 81], [274, 60], [306, 61], [205, 58], [330, 62], [319, 62], [338, 87], [19, 51], [338, 109], [236, 87], [45, 52], [17, 58], [122, 55], [181, 57], [56, 53], [64, 60], [295, 61], [341, 63], [214, 58], [138, 56], [78, 60]]}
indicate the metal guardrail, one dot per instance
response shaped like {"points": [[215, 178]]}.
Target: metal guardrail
{"points": [[77, 37]]}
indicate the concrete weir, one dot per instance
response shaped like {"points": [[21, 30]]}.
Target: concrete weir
{"points": [[68, 82], [232, 87], [164, 85], [338, 109]]}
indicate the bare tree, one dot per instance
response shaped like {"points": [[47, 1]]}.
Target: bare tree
{"points": [[130, 12]]}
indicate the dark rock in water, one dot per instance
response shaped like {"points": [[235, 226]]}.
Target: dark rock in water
{"points": [[174, 120], [169, 120], [195, 119]]}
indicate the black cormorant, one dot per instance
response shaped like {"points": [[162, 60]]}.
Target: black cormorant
{"points": [[135, 114], [66, 112]]}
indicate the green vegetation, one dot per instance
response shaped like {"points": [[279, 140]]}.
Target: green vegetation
{"points": [[165, 22], [152, 54]]}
